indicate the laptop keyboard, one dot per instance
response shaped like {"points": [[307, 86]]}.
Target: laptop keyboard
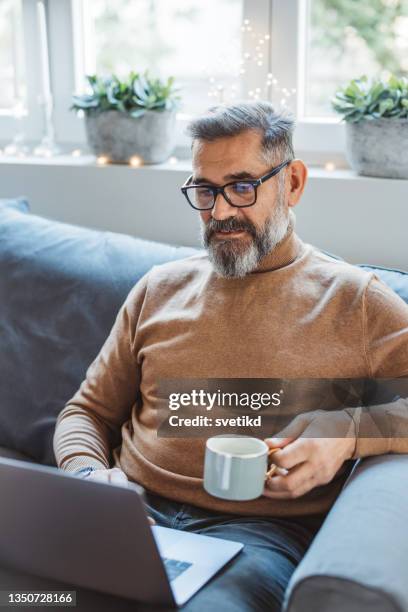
{"points": [[174, 567]]}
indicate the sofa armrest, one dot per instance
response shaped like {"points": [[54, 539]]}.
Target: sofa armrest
{"points": [[358, 561]]}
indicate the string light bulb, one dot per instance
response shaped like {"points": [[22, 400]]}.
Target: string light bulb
{"points": [[102, 160], [135, 161]]}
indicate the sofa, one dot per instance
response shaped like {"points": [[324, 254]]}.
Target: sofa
{"points": [[61, 286]]}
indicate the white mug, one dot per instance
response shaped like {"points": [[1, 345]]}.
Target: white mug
{"points": [[235, 467]]}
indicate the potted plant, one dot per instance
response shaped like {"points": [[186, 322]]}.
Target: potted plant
{"points": [[135, 117], [376, 116]]}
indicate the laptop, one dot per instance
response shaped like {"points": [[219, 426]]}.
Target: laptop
{"points": [[97, 535]]}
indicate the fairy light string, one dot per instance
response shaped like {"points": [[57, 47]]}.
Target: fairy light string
{"points": [[225, 89]]}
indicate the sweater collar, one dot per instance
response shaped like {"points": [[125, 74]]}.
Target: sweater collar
{"points": [[284, 253]]}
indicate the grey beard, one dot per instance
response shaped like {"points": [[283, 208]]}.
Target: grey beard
{"points": [[232, 257]]}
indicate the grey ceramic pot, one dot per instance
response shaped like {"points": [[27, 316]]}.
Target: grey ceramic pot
{"points": [[378, 147], [120, 136]]}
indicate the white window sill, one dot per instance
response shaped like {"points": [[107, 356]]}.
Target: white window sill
{"points": [[174, 164]]}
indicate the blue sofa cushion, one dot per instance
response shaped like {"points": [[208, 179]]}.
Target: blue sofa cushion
{"points": [[61, 287]]}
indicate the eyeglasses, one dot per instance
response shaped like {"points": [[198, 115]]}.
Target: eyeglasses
{"points": [[237, 193]]}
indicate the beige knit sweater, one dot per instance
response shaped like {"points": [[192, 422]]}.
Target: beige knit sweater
{"points": [[301, 314]]}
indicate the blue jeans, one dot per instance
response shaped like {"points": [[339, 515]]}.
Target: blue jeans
{"points": [[257, 578]]}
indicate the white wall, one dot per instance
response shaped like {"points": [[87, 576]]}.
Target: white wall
{"points": [[364, 220]]}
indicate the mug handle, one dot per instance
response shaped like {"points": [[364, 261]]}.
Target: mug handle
{"points": [[272, 468]]}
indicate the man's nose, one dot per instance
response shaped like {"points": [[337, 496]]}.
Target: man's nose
{"points": [[222, 210]]}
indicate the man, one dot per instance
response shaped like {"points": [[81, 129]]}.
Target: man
{"points": [[259, 304]]}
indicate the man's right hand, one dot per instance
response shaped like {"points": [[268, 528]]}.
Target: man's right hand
{"points": [[115, 476]]}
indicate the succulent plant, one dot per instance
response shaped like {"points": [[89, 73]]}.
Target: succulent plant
{"points": [[134, 95], [369, 99]]}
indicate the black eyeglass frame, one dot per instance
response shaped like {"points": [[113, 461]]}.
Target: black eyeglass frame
{"points": [[216, 190]]}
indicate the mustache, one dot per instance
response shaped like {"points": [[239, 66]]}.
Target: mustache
{"points": [[231, 224]]}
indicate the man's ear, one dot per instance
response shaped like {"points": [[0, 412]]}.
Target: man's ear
{"points": [[297, 171]]}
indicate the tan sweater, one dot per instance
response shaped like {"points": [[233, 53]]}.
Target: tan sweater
{"points": [[301, 314]]}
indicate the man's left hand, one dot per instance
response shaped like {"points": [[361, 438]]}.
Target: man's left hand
{"points": [[306, 457]]}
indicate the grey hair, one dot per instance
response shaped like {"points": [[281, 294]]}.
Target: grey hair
{"points": [[222, 121]]}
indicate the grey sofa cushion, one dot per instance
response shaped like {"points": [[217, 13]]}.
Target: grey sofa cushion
{"points": [[60, 289], [358, 560]]}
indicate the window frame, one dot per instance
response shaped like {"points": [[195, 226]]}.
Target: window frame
{"points": [[32, 122], [316, 140]]}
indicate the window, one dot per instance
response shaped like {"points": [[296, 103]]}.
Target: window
{"points": [[200, 43], [309, 55], [12, 79], [346, 39], [293, 52]]}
